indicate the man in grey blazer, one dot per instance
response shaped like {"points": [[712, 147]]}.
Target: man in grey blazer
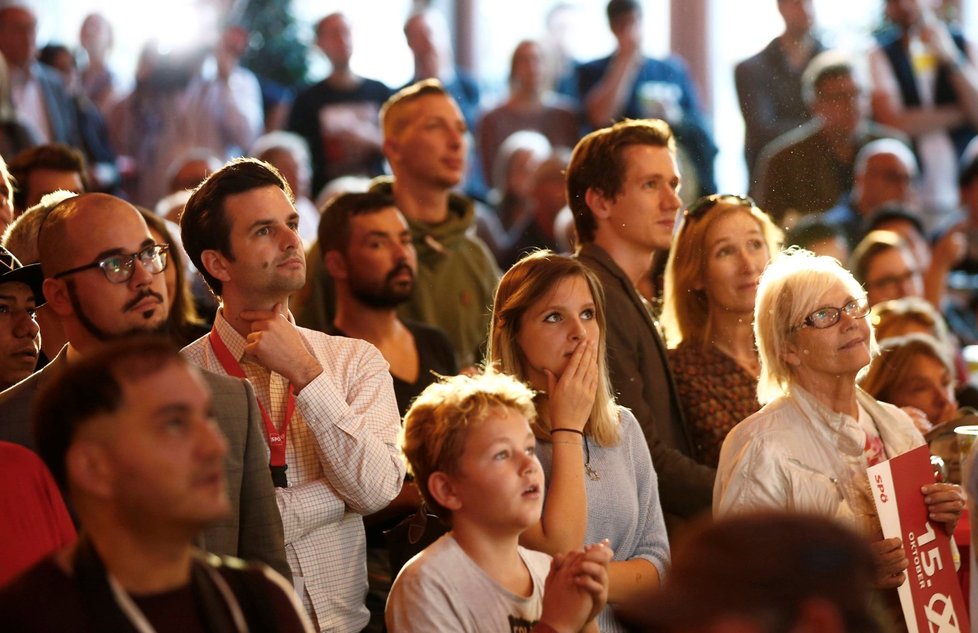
{"points": [[622, 185], [102, 278]]}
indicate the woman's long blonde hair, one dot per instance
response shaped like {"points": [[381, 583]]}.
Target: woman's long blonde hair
{"points": [[528, 281], [685, 314]]}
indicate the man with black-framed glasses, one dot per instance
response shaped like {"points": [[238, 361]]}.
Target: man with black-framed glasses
{"points": [[84, 244], [120, 268], [104, 281]]}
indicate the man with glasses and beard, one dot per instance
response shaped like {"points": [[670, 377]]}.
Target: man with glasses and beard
{"points": [[370, 256], [103, 280]]}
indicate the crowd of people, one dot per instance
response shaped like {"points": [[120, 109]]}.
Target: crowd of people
{"points": [[365, 374]]}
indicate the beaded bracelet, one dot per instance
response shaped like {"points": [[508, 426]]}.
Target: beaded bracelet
{"points": [[581, 433]]}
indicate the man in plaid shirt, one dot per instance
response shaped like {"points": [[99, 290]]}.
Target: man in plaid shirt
{"points": [[328, 403]]}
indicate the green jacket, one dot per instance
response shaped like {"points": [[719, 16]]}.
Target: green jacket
{"points": [[456, 280], [453, 289]]}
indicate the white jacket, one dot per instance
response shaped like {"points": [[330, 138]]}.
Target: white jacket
{"points": [[798, 455]]}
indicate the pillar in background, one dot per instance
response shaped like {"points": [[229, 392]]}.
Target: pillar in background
{"points": [[690, 32], [465, 36]]}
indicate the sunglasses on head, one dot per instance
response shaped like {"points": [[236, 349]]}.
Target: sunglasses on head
{"points": [[704, 204]]}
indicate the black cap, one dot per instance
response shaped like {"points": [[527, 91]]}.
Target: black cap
{"points": [[12, 270]]}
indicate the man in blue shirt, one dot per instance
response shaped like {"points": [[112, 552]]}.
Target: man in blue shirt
{"points": [[627, 84]]}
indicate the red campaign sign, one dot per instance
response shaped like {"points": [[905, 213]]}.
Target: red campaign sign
{"points": [[931, 597]]}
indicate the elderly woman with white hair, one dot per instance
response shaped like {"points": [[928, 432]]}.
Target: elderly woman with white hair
{"points": [[808, 448]]}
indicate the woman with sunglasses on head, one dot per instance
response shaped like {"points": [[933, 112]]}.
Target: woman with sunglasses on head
{"points": [[722, 246], [809, 447], [548, 330]]}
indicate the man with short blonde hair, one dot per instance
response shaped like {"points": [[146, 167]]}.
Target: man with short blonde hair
{"points": [[425, 142]]}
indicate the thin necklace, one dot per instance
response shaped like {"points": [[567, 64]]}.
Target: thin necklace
{"points": [[591, 473]]}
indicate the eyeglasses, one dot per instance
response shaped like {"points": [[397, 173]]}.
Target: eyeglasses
{"points": [[827, 317], [704, 204], [118, 269]]}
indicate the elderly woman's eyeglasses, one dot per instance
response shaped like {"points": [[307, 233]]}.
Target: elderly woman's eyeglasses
{"points": [[827, 317], [704, 204], [118, 269]]}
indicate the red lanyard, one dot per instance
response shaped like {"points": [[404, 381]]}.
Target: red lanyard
{"points": [[276, 438]]}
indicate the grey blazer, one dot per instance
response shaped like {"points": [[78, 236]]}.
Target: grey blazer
{"points": [[253, 530]]}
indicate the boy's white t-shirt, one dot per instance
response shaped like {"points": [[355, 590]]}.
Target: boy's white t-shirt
{"points": [[442, 589]]}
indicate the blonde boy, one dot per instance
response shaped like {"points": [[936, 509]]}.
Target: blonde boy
{"points": [[469, 445]]}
